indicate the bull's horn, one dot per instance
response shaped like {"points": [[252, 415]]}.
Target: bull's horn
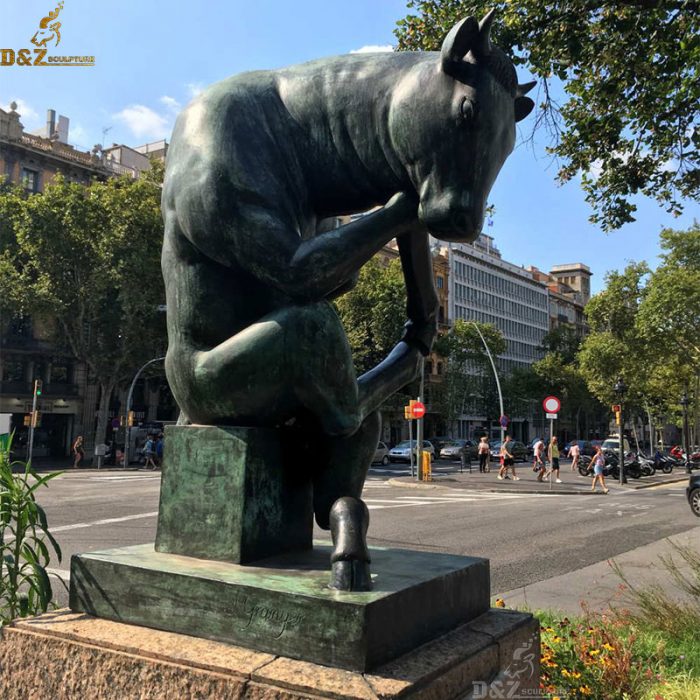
{"points": [[483, 45], [462, 37], [525, 88], [50, 17]]}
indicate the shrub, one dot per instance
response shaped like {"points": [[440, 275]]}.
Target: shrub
{"points": [[25, 587]]}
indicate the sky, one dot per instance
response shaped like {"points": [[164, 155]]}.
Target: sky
{"points": [[153, 56]]}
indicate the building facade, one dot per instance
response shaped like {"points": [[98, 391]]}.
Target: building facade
{"points": [[27, 352]]}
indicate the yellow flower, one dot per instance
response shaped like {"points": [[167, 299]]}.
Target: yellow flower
{"points": [[609, 647], [593, 652], [576, 674], [584, 690], [500, 603]]}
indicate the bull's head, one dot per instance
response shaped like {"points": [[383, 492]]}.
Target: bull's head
{"points": [[452, 122]]}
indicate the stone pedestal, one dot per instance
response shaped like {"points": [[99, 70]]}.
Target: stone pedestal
{"points": [[283, 605], [65, 655], [232, 494]]}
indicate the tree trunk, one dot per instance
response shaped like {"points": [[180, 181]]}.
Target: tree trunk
{"points": [[102, 414], [652, 434]]}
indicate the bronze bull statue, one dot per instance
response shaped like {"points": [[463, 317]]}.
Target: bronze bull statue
{"points": [[256, 164]]}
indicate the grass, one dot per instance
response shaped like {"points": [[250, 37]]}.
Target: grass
{"points": [[646, 647]]}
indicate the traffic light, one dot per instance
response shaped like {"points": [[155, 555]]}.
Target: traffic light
{"points": [[27, 420], [38, 387], [618, 417], [130, 420], [36, 420]]}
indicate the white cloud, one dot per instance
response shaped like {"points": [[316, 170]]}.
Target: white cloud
{"points": [[170, 102], [193, 89], [144, 122], [374, 48], [29, 116]]}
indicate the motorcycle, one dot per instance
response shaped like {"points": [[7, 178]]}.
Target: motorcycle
{"points": [[610, 468]]}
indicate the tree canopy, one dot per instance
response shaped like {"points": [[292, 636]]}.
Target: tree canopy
{"points": [[89, 259], [628, 123]]}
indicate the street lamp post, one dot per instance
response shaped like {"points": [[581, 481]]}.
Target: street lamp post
{"points": [[620, 389], [686, 432], [498, 383], [129, 397]]}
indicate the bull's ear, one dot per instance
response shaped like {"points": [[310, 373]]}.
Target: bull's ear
{"points": [[523, 107], [462, 37]]}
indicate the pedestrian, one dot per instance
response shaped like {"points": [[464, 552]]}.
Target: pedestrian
{"points": [[78, 451], [484, 454], [538, 463], [575, 454], [507, 460], [599, 468], [553, 456], [149, 451], [159, 449]]}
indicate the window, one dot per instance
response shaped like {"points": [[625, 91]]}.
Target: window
{"points": [[30, 180], [13, 371], [440, 282]]}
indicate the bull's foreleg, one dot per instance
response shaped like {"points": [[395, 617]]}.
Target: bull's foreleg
{"points": [[403, 363]]}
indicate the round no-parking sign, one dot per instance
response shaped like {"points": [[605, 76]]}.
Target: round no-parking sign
{"points": [[551, 404]]}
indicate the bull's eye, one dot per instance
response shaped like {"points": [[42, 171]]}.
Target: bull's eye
{"points": [[467, 109]]}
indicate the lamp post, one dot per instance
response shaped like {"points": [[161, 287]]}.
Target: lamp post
{"points": [[495, 374], [686, 432], [128, 408], [620, 389]]}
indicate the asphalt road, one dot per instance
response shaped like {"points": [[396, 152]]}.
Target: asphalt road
{"points": [[527, 537]]}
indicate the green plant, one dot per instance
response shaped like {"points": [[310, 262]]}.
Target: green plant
{"points": [[25, 587]]}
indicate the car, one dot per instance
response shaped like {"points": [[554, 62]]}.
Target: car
{"points": [[381, 454], [585, 445], [693, 493], [439, 442], [612, 444], [402, 451], [516, 448], [455, 449]]}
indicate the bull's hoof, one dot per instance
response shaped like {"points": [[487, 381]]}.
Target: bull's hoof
{"points": [[349, 520], [350, 576]]}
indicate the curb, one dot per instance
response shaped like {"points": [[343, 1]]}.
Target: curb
{"points": [[679, 480], [437, 485]]}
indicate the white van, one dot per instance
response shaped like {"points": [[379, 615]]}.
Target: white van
{"points": [[613, 444]]}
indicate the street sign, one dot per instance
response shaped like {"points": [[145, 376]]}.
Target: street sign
{"points": [[115, 423], [418, 409], [552, 416], [504, 420], [551, 404], [616, 408]]}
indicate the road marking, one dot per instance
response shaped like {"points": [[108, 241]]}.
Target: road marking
{"points": [[105, 521]]}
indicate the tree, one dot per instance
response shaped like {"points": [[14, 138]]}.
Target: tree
{"points": [[374, 312], [629, 72], [89, 259], [468, 377]]}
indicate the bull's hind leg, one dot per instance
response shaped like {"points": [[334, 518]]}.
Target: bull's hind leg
{"points": [[338, 483]]}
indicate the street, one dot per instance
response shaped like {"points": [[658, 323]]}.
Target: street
{"points": [[528, 537]]}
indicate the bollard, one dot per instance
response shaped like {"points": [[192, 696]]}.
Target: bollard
{"points": [[426, 466]]}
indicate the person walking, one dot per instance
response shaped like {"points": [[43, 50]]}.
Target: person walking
{"points": [[159, 449], [575, 454], [538, 463], [598, 469], [484, 454], [507, 460], [553, 457], [78, 451], [149, 451]]}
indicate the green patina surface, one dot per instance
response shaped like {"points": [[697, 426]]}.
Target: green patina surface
{"points": [[229, 494], [283, 605]]}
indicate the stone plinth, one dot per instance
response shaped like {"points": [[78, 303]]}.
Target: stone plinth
{"points": [[283, 605], [65, 655], [232, 494]]}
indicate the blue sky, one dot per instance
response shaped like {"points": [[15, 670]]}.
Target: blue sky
{"points": [[152, 56]]}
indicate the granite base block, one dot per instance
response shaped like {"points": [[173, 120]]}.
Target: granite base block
{"points": [[283, 605], [80, 656]]}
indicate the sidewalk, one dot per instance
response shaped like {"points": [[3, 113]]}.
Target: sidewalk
{"points": [[572, 482], [598, 584]]}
